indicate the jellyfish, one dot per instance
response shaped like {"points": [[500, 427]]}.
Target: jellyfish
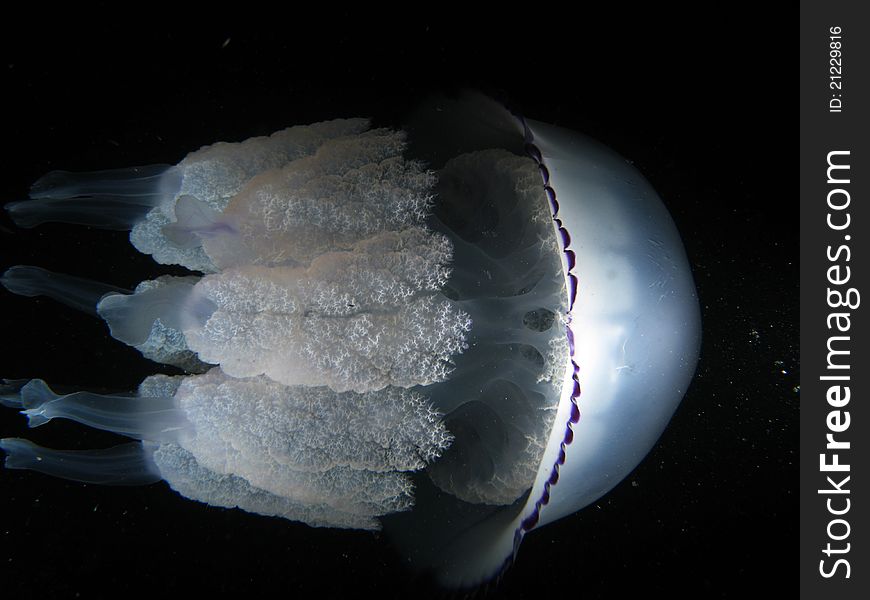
{"points": [[459, 331]]}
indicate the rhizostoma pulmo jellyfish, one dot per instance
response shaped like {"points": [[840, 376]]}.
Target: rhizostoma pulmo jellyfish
{"points": [[459, 331]]}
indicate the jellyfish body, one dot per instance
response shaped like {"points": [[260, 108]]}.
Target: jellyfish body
{"points": [[488, 317]]}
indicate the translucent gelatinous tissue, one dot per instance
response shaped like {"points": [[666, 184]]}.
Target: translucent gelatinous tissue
{"points": [[457, 332]]}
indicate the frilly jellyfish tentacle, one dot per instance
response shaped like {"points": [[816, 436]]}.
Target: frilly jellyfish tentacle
{"points": [[116, 199], [194, 220], [189, 478], [76, 292], [156, 418], [151, 318], [319, 450], [125, 464], [142, 199], [485, 319]]}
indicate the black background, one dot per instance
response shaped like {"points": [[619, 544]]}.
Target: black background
{"points": [[703, 104]]}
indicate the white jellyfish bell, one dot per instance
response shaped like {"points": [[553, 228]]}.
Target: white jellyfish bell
{"points": [[460, 331]]}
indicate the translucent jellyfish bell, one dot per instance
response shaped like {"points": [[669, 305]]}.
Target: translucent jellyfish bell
{"points": [[460, 332]]}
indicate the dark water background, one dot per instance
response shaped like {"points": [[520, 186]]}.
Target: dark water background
{"points": [[704, 105]]}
